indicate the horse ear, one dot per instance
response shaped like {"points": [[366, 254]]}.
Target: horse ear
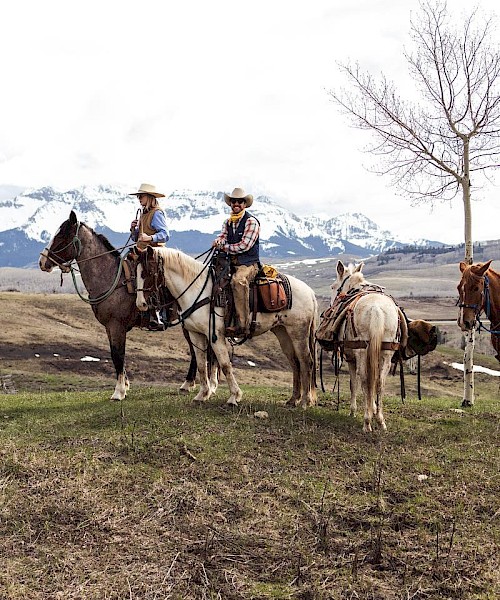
{"points": [[463, 266], [340, 268], [481, 270], [359, 267], [72, 218]]}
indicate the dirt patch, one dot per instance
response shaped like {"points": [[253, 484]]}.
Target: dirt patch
{"points": [[45, 337]]}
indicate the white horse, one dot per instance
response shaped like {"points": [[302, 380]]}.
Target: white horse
{"points": [[370, 334], [294, 327]]}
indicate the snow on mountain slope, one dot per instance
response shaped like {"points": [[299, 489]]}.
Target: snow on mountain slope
{"points": [[38, 213]]}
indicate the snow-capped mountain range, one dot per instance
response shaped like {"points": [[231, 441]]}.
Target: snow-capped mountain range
{"points": [[28, 221]]}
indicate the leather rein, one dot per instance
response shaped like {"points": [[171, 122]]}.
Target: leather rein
{"points": [[159, 281]]}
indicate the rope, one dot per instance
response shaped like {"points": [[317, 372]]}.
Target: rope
{"points": [[102, 297]]}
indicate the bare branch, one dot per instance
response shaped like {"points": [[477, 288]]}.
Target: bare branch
{"points": [[430, 149]]}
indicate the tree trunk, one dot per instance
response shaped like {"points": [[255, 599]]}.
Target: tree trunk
{"points": [[468, 399]]}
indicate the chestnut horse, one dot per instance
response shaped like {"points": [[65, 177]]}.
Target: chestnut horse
{"points": [[101, 270], [478, 292]]}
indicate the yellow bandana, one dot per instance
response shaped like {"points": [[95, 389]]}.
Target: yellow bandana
{"points": [[236, 217]]}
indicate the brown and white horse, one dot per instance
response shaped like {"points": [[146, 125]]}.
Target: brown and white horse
{"points": [[478, 292], [369, 336]]}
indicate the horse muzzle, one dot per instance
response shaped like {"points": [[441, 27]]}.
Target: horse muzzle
{"points": [[47, 264]]}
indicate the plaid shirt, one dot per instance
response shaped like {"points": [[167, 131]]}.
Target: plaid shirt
{"points": [[250, 235]]}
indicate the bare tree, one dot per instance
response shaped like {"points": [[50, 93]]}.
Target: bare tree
{"points": [[434, 148]]}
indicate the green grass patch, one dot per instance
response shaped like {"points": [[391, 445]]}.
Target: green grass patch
{"points": [[160, 497]]}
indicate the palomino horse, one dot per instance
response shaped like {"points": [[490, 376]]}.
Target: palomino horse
{"points": [[294, 327], [101, 272], [478, 291], [370, 333]]}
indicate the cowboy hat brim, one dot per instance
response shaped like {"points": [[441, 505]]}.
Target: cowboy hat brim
{"points": [[248, 198], [147, 188]]}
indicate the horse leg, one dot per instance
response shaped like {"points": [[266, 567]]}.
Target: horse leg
{"points": [[222, 355], [190, 381], [213, 370], [306, 361], [200, 344], [353, 384], [363, 374], [289, 352], [117, 336]]}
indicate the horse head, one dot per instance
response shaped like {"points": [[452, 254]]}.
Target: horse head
{"points": [[150, 277], [471, 293], [347, 278], [63, 248]]}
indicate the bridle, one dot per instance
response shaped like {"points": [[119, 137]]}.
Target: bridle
{"points": [[65, 265], [339, 291], [153, 301], [484, 304], [477, 308]]}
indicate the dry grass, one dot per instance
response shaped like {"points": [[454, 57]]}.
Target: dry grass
{"points": [[157, 497]]}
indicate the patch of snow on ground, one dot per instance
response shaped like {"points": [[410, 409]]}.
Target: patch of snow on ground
{"points": [[476, 369]]}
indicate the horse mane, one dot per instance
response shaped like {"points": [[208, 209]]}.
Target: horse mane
{"points": [[104, 240], [175, 260]]}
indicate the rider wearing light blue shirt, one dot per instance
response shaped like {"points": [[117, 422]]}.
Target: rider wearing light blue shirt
{"points": [[151, 228]]}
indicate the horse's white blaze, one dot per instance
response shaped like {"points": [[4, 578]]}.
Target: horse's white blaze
{"points": [[140, 301], [42, 262]]}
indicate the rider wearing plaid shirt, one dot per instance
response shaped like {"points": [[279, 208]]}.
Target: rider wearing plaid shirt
{"points": [[240, 239]]}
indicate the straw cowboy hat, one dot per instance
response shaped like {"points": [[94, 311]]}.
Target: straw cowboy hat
{"points": [[147, 188], [239, 194]]}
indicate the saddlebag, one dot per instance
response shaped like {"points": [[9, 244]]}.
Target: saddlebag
{"points": [[272, 294]]}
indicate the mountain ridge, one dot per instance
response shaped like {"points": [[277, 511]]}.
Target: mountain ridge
{"points": [[29, 220]]}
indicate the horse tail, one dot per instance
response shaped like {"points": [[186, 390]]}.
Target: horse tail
{"points": [[373, 355]]}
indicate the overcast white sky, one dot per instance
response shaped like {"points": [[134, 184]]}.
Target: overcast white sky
{"points": [[199, 94]]}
